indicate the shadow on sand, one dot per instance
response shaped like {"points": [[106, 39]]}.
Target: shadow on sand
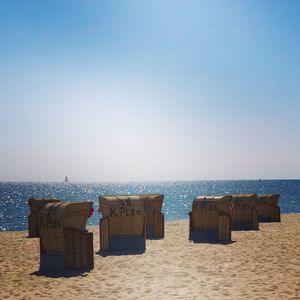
{"points": [[212, 242], [120, 253], [155, 238], [61, 273]]}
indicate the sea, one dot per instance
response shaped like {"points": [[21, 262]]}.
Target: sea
{"points": [[178, 199]]}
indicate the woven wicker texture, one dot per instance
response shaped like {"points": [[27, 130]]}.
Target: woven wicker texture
{"points": [[205, 210], [55, 217]]}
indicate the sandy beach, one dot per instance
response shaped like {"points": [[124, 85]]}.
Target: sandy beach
{"points": [[262, 264]]}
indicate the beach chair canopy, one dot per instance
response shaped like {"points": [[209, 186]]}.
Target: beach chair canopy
{"points": [[244, 200], [144, 203], [36, 203], [121, 206], [153, 201], [271, 199], [211, 202]]}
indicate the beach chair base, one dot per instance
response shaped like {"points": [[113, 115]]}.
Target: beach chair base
{"points": [[137, 244], [78, 254], [149, 231], [273, 216], [267, 219], [52, 263], [121, 243], [244, 219], [221, 233], [224, 231], [242, 226], [79, 250], [204, 236], [275, 213]]}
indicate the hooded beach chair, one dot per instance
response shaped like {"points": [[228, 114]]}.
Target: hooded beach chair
{"points": [[123, 223], [243, 213], [209, 220], [64, 241], [267, 208]]}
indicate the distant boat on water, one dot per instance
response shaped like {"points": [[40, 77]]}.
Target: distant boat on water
{"points": [[66, 179]]}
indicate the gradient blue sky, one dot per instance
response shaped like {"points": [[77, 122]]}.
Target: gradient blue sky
{"points": [[149, 90]]}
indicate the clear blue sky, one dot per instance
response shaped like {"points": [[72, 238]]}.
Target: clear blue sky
{"points": [[149, 90]]}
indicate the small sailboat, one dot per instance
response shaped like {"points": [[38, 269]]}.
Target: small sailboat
{"points": [[66, 179]]}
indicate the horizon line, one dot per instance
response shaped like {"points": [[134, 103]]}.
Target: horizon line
{"points": [[141, 181]]}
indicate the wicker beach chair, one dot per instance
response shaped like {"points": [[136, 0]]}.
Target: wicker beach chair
{"points": [[64, 241], [123, 223], [209, 220], [267, 208], [243, 213]]}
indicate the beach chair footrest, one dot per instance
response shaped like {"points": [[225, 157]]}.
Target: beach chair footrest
{"points": [[264, 219]]}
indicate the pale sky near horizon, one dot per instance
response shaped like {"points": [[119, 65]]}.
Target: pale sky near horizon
{"points": [[149, 90]]}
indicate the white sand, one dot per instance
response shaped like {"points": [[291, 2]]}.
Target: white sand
{"points": [[262, 264]]}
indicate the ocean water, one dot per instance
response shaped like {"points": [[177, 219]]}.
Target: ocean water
{"points": [[178, 195]]}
